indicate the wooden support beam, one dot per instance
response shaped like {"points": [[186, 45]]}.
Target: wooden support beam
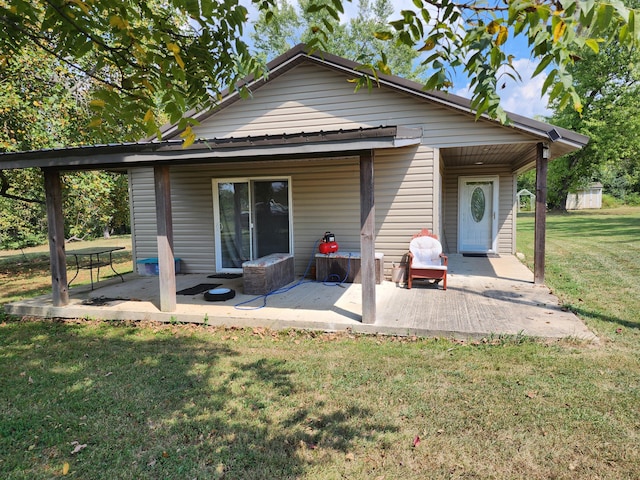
{"points": [[55, 222], [540, 229], [367, 237], [164, 219]]}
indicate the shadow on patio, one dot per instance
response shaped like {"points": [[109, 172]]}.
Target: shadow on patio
{"points": [[486, 296]]}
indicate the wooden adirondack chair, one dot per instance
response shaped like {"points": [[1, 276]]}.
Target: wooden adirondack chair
{"points": [[426, 259]]}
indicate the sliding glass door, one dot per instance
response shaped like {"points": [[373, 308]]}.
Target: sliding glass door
{"points": [[252, 219]]}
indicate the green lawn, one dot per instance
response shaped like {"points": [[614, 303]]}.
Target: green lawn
{"points": [[137, 400], [593, 265], [26, 273]]}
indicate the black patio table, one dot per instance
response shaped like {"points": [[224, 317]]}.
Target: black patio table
{"points": [[96, 257]]}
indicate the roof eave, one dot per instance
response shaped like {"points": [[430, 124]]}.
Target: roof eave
{"points": [[297, 145]]}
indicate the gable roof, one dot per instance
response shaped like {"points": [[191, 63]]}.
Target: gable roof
{"points": [[300, 54]]}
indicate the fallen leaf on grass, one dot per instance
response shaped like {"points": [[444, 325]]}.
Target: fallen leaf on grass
{"points": [[78, 447], [65, 468], [416, 441], [532, 394], [259, 332], [350, 456]]}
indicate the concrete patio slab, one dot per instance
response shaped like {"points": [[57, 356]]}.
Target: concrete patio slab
{"points": [[485, 296]]}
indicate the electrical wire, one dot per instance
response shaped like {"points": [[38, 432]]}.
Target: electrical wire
{"points": [[327, 281], [246, 304]]}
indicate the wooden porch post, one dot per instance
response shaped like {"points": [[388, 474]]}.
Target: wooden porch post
{"points": [[55, 221], [541, 213], [367, 237], [166, 261]]}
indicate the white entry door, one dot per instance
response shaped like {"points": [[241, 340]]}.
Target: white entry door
{"points": [[478, 211]]}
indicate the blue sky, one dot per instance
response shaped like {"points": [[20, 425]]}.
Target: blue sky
{"points": [[521, 97]]}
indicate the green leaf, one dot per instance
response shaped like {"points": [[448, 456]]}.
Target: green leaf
{"points": [[592, 43], [549, 80], [383, 67], [383, 35], [633, 28], [604, 16], [314, 7], [192, 7], [408, 15], [623, 34], [449, 12], [556, 91], [564, 101], [269, 16], [435, 81], [544, 63], [397, 24], [406, 39]]}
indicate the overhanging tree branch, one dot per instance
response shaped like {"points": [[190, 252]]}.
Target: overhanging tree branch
{"points": [[41, 43], [5, 186]]}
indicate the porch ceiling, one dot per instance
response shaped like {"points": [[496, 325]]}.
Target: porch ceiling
{"points": [[518, 156], [515, 155]]}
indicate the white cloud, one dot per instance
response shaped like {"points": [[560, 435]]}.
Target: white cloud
{"points": [[523, 96]]}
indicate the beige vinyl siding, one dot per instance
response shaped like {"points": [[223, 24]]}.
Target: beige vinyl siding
{"points": [[507, 234], [514, 213], [143, 213], [325, 192], [311, 98], [325, 197], [404, 193], [192, 210], [450, 198], [506, 228]]}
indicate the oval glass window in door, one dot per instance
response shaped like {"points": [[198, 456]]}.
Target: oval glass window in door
{"points": [[477, 204]]}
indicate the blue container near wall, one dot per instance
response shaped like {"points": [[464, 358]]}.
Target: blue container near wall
{"points": [[149, 266]]}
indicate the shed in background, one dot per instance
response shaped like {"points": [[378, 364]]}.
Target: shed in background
{"points": [[589, 197]]}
